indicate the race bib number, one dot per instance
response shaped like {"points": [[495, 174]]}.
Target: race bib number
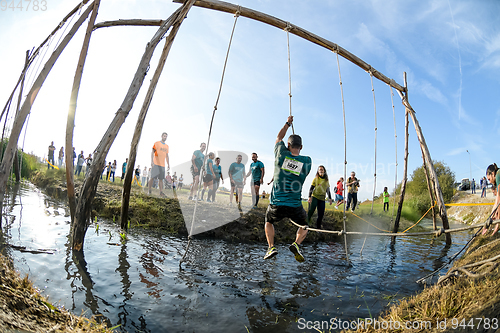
{"points": [[291, 165]]}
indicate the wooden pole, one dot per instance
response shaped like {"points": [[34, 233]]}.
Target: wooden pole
{"points": [[140, 122], [298, 31], [70, 123], [429, 187], [89, 187], [404, 181], [35, 53], [134, 22], [17, 172], [432, 171], [28, 102], [61, 24], [428, 162]]}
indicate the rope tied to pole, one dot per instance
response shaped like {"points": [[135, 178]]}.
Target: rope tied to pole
{"points": [[345, 147], [287, 29]]}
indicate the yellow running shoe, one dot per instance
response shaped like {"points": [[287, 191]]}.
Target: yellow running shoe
{"points": [[294, 247]]}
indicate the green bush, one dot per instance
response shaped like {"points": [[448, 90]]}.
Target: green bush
{"points": [[28, 162]]}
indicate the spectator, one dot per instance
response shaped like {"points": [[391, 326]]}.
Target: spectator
{"points": [[352, 191], [386, 199], [61, 156], [79, 163], [113, 170], [144, 176], [124, 168], [320, 187], [50, 156], [89, 163]]}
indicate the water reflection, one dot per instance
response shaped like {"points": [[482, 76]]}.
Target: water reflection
{"points": [[223, 286]]}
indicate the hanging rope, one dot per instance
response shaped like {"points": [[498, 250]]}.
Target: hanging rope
{"points": [[375, 159], [345, 149], [287, 29], [396, 152], [202, 171]]}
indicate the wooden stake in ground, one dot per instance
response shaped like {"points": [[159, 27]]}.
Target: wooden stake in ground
{"points": [[404, 181], [17, 172], [11, 148], [140, 122], [70, 124], [431, 194], [89, 187]]}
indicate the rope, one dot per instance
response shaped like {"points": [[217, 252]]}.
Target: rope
{"points": [[369, 224], [485, 224], [470, 204], [203, 167], [396, 152], [287, 29], [436, 233], [375, 158], [420, 218], [345, 149]]}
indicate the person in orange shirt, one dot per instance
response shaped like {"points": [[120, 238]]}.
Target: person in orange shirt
{"points": [[158, 157]]}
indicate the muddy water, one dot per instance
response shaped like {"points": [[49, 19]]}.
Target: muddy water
{"points": [[223, 287]]}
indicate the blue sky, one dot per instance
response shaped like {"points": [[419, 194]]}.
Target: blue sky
{"points": [[449, 49]]}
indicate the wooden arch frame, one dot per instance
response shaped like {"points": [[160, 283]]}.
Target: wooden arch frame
{"points": [[81, 210]]}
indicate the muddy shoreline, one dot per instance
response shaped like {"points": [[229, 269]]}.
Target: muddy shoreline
{"points": [[165, 214]]}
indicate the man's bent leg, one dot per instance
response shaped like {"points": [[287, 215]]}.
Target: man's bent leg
{"points": [[301, 235]]}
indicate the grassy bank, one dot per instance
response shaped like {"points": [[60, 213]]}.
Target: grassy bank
{"points": [[23, 309], [169, 214], [467, 301]]}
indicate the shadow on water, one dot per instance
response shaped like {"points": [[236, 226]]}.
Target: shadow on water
{"points": [[137, 283]]}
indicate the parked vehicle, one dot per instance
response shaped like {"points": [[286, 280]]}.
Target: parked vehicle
{"points": [[464, 185]]}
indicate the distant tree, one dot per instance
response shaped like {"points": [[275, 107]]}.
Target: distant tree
{"points": [[418, 183]]}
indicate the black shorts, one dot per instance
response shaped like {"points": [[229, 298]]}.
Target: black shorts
{"points": [[207, 178], [237, 184], [157, 172], [257, 183], [276, 213], [194, 173]]}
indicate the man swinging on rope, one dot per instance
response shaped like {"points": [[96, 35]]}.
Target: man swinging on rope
{"points": [[290, 172]]}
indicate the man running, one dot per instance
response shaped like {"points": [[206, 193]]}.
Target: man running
{"points": [[237, 179], [257, 171], [159, 155], [217, 177], [290, 172], [196, 164]]}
